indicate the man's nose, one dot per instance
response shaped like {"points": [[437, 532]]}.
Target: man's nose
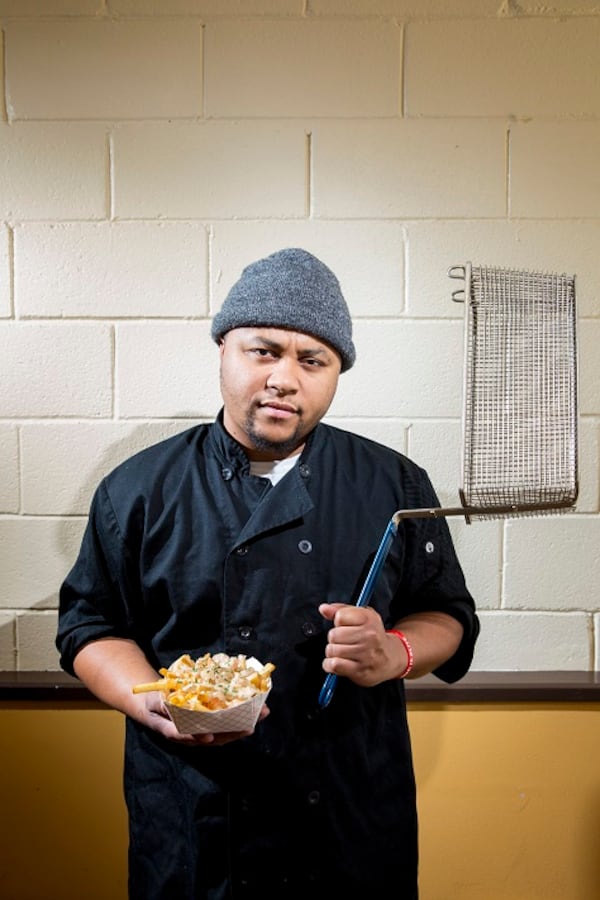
{"points": [[283, 376]]}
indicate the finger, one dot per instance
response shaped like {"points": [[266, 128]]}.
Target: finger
{"points": [[328, 610], [198, 739], [222, 737], [342, 656], [339, 666], [344, 638], [348, 615]]}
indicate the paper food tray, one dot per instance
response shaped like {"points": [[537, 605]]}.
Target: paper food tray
{"points": [[242, 717]]}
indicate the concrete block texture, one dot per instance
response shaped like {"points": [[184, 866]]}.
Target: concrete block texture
{"points": [[554, 170], [540, 246], [9, 466], [367, 258], [225, 170], [5, 273], [404, 369], [8, 642], [331, 68], [53, 171], [589, 472], [57, 480], [150, 150], [36, 553], [404, 8], [479, 547], [533, 642], [36, 650], [391, 432], [205, 8], [436, 446], [539, 571], [558, 7], [510, 67], [103, 69], [116, 269], [168, 370], [33, 8], [409, 169], [589, 374], [55, 370]]}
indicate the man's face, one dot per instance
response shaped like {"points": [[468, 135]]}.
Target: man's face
{"points": [[276, 386]]}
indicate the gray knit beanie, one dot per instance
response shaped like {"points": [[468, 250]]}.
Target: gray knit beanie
{"points": [[290, 289]]}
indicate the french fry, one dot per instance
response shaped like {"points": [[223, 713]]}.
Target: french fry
{"points": [[162, 685]]}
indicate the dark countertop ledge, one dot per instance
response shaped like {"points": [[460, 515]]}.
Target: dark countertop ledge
{"points": [[475, 687]]}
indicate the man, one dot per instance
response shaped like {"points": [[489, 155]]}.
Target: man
{"points": [[253, 535]]}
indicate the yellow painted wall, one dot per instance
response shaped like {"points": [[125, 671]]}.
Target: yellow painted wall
{"points": [[509, 800], [63, 827]]}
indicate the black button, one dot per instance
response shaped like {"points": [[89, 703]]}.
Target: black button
{"points": [[313, 798], [304, 470], [308, 629], [226, 473], [304, 546], [245, 632], [241, 551]]}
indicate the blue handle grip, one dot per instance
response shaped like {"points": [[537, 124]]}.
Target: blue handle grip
{"points": [[328, 688]]}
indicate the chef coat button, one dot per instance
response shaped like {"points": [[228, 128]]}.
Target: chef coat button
{"points": [[304, 470], [304, 546], [308, 629], [226, 473], [241, 551], [313, 798], [245, 632]]}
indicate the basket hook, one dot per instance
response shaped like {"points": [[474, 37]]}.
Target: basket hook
{"points": [[459, 272]]}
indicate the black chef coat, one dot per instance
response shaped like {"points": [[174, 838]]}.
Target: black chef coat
{"points": [[187, 552]]}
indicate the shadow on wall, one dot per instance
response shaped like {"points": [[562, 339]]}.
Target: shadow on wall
{"points": [[70, 527], [8, 645], [133, 441]]}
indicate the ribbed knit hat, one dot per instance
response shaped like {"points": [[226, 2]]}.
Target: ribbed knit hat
{"points": [[290, 289]]}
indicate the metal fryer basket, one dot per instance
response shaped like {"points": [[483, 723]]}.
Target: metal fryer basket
{"points": [[520, 392], [519, 405]]}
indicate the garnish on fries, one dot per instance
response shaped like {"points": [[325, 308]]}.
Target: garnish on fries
{"points": [[210, 682]]}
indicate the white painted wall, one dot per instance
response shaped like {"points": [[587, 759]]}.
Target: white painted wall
{"points": [[149, 150]]}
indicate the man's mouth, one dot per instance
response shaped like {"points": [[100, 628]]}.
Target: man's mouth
{"points": [[278, 409]]}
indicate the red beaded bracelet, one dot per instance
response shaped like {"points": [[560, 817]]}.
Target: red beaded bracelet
{"points": [[409, 651]]}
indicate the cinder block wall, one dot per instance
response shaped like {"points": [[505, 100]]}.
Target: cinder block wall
{"points": [[149, 150]]}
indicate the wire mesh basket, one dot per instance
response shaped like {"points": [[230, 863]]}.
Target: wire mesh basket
{"points": [[520, 391]]}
